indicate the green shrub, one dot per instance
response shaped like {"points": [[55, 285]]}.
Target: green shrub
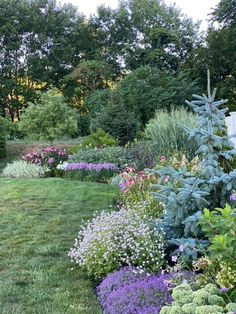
{"points": [[112, 240], [116, 120], [50, 119], [2, 140], [219, 227], [11, 129], [167, 134], [22, 169], [99, 139], [118, 156]]}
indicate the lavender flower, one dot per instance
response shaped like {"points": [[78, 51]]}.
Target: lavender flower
{"points": [[232, 197], [145, 296], [223, 290], [87, 166], [118, 279]]}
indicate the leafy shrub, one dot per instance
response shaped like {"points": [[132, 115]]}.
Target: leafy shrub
{"points": [[219, 227], [147, 295], [112, 240], [201, 301], [50, 119], [147, 89], [118, 156], [167, 134], [87, 171], [11, 129], [2, 140], [115, 120], [49, 157], [99, 139], [22, 169]]}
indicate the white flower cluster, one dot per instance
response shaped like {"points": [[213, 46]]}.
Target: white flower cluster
{"points": [[23, 169], [116, 239]]}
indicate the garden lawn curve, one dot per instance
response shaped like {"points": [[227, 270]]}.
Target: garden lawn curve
{"points": [[39, 220]]}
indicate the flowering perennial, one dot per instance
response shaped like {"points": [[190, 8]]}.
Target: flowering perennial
{"points": [[116, 239], [86, 166], [141, 295], [48, 156]]}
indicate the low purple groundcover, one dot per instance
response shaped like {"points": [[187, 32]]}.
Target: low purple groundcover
{"points": [[88, 166], [128, 292]]}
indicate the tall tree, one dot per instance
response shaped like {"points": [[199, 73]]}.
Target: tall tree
{"points": [[144, 32]]}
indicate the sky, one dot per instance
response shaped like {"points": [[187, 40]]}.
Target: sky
{"points": [[197, 9]]}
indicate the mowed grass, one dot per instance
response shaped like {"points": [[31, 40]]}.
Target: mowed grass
{"points": [[39, 220]]}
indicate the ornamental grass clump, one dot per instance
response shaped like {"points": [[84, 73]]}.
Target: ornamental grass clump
{"points": [[22, 169], [112, 240]]}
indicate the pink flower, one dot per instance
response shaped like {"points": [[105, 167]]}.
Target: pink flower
{"points": [[181, 248], [162, 158], [50, 160]]}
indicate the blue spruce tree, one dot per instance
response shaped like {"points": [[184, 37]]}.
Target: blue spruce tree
{"points": [[186, 194]]}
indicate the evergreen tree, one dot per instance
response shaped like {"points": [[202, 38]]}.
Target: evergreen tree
{"points": [[186, 194]]}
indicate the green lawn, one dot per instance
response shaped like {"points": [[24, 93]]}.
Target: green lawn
{"points": [[39, 221]]}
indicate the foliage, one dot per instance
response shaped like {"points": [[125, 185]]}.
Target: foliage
{"points": [[116, 239], [38, 220], [87, 171], [22, 169], [201, 301], [219, 227], [135, 187], [49, 157], [168, 135], [143, 154], [145, 32], [147, 89], [185, 194], [118, 156], [142, 295], [99, 139], [50, 119], [116, 120], [2, 140], [11, 129]]}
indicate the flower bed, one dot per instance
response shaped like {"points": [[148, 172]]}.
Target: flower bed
{"points": [[88, 171]]}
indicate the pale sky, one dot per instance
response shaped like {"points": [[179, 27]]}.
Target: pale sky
{"points": [[197, 9]]}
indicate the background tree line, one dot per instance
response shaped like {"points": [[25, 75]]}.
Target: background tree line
{"points": [[137, 58]]}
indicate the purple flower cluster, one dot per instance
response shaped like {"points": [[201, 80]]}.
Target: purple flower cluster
{"points": [[128, 291], [88, 167]]}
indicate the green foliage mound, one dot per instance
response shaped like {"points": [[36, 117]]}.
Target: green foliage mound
{"points": [[206, 300], [99, 139], [118, 156], [50, 119], [167, 134]]}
